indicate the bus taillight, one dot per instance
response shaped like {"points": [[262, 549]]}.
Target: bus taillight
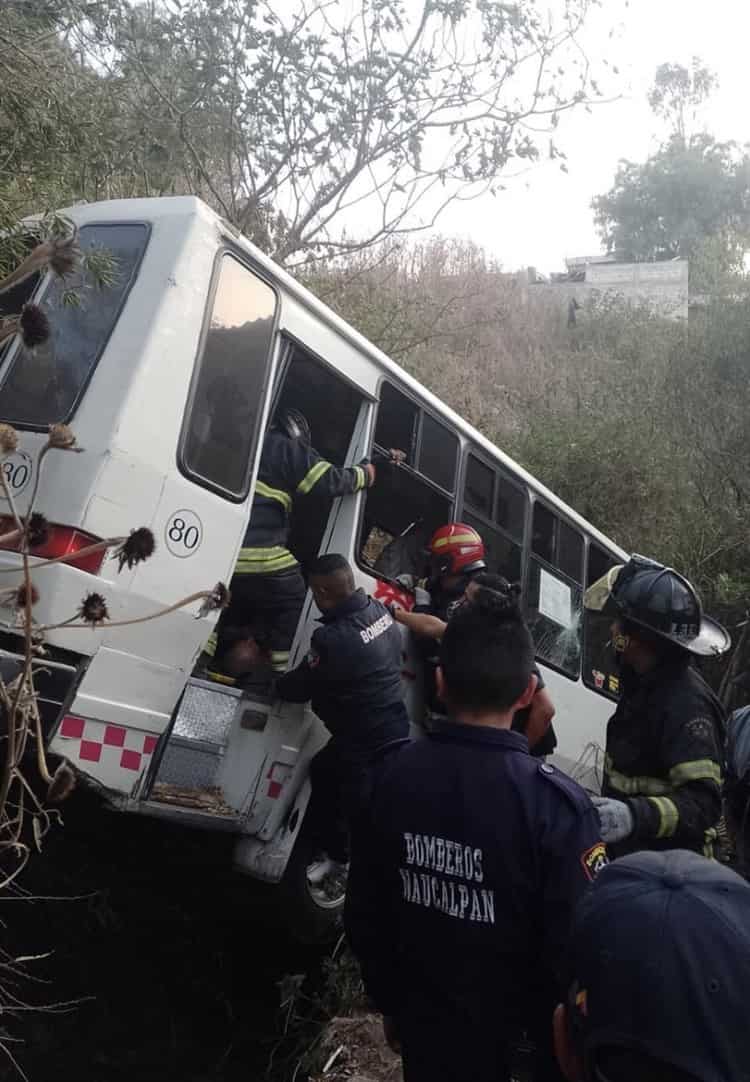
{"points": [[61, 541]]}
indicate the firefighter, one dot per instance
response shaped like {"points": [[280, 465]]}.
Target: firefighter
{"points": [[664, 746], [352, 676], [535, 720], [467, 866], [267, 587]]}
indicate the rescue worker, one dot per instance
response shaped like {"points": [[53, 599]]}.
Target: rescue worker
{"points": [[267, 588], [352, 676], [664, 746], [657, 974], [535, 721], [467, 866]]}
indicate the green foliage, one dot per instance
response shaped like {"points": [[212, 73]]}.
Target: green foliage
{"points": [[678, 92]]}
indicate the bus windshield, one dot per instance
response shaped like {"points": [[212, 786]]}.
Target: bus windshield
{"points": [[44, 385]]}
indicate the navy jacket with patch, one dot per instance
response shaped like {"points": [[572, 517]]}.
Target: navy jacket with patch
{"points": [[352, 676], [463, 881]]}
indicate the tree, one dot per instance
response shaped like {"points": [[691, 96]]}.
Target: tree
{"points": [[318, 128], [689, 200], [677, 201], [678, 92]]}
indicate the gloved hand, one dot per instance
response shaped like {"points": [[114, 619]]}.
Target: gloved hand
{"points": [[405, 580], [422, 596], [615, 818], [370, 472]]}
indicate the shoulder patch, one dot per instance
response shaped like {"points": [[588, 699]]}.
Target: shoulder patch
{"points": [[575, 794], [701, 728], [593, 860]]}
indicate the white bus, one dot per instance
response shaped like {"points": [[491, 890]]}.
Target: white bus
{"points": [[168, 378]]}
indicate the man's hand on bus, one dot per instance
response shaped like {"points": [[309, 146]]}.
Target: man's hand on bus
{"points": [[396, 457]]}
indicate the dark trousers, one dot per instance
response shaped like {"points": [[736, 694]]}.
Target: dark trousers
{"points": [[341, 781], [270, 606]]}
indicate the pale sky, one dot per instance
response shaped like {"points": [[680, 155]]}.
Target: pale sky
{"points": [[545, 215]]}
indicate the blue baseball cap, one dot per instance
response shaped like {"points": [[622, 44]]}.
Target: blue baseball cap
{"points": [[659, 961]]}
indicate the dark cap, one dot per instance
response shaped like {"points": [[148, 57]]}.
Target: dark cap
{"points": [[659, 962]]}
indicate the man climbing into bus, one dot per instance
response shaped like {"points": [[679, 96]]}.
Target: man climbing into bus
{"points": [[267, 588], [664, 747], [352, 677], [467, 866], [535, 720]]}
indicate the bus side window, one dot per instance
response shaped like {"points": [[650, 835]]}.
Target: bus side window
{"points": [[496, 508], [554, 596], [220, 428], [408, 503], [600, 671]]}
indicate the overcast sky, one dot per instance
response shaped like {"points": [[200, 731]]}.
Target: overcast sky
{"points": [[545, 215]]}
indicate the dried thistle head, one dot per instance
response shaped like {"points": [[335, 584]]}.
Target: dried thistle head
{"points": [[137, 548], [62, 785], [66, 255], [93, 609], [219, 598], [34, 326], [37, 530], [8, 439], [61, 437], [24, 594]]}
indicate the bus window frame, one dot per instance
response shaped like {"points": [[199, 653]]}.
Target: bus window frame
{"points": [[558, 574], [7, 358], [497, 470], [586, 678], [373, 447], [272, 358]]}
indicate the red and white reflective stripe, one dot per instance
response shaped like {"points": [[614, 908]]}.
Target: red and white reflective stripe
{"points": [[111, 745]]}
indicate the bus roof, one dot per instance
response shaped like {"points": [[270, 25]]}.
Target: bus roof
{"points": [[189, 206]]}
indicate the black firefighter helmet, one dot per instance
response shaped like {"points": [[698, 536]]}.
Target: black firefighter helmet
{"points": [[293, 424], [658, 598]]}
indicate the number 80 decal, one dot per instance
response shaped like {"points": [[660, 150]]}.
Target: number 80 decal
{"points": [[183, 533], [17, 469]]}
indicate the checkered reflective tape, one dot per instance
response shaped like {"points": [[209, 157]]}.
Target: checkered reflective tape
{"points": [[112, 746]]}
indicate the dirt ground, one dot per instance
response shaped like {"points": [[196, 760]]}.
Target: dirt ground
{"points": [[355, 1051]]}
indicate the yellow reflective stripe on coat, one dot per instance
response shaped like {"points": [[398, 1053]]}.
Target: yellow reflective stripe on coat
{"points": [[210, 647], [361, 481], [669, 817], [457, 539], [695, 770], [312, 477], [635, 786], [279, 660], [264, 561], [709, 838], [262, 489]]}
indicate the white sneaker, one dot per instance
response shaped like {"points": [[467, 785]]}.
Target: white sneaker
{"points": [[324, 869], [318, 871]]}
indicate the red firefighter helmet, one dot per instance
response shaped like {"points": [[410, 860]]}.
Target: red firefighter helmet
{"points": [[457, 549]]}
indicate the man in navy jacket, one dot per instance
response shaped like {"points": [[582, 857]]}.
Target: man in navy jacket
{"points": [[352, 677], [467, 866]]}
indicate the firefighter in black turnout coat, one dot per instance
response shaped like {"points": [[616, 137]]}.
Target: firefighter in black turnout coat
{"points": [[352, 677], [664, 753], [267, 588], [466, 869]]}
